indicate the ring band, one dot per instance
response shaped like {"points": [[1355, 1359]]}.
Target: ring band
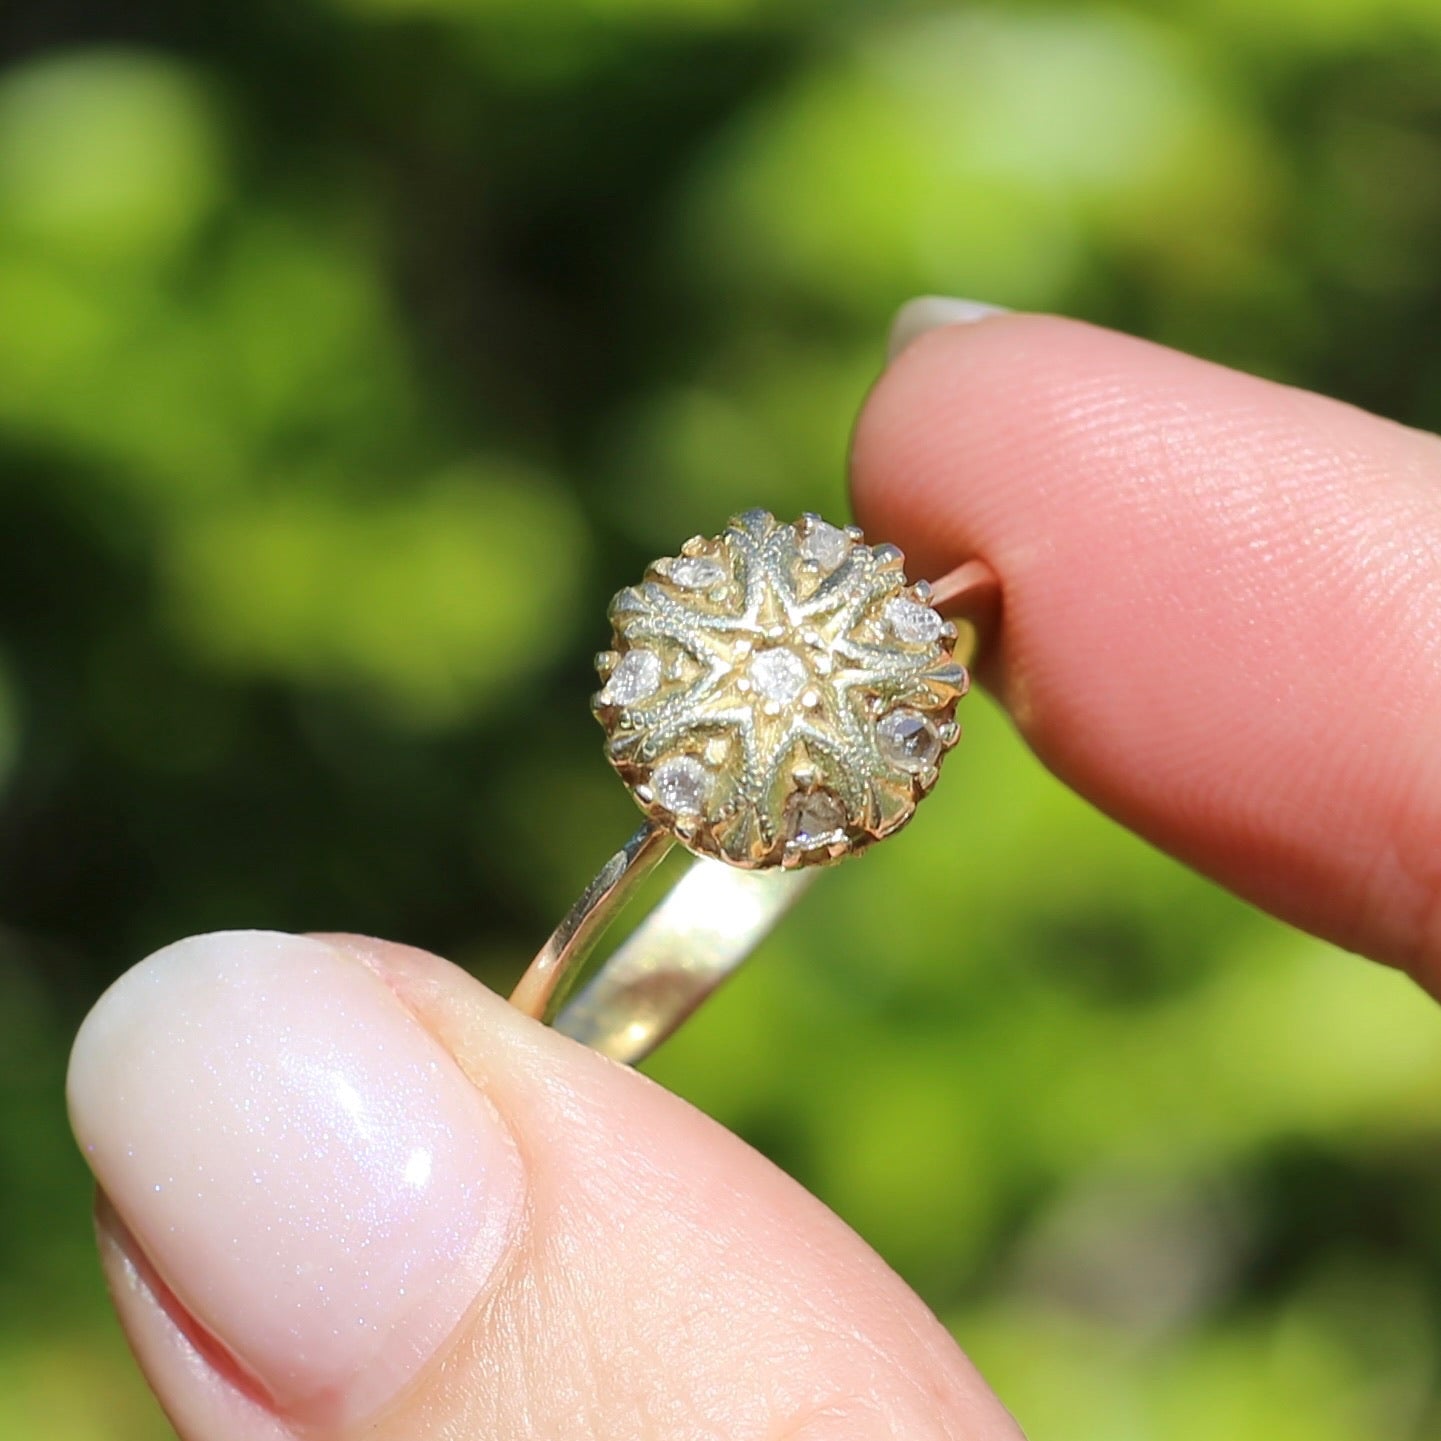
{"points": [[705, 926], [779, 697]]}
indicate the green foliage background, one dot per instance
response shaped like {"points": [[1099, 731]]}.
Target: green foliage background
{"points": [[324, 324]]}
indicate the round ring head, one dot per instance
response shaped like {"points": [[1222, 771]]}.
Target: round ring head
{"points": [[779, 695]]}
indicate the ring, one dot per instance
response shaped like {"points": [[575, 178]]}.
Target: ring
{"points": [[776, 698]]}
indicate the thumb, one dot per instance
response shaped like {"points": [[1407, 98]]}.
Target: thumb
{"points": [[346, 1190]]}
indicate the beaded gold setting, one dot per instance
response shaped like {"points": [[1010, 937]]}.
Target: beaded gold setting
{"points": [[779, 694]]}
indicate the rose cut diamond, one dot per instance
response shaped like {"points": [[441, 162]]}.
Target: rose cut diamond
{"points": [[825, 545], [779, 674], [681, 785], [697, 572], [908, 738], [912, 622], [814, 817], [634, 678]]}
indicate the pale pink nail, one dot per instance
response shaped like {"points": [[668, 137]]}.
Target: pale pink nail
{"points": [[302, 1164], [930, 312]]}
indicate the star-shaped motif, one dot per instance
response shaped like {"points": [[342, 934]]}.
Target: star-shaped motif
{"points": [[779, 694]]}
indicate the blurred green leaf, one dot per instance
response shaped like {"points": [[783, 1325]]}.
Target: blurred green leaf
{"points": [[107, 157], [438, 601], [988, 154]]}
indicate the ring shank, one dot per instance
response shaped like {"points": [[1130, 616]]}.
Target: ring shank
{"points": [[550, 975], [713, 918]]}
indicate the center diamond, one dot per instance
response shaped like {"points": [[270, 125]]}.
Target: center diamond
{"points": [[778, 674]]}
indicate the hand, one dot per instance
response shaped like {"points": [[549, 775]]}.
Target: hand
{"points": [[347, 1191]]}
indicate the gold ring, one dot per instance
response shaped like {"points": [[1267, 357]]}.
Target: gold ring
{"points": [[776, 698]]}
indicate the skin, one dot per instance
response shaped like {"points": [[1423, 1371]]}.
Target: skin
{"points": [[1221, 623]]}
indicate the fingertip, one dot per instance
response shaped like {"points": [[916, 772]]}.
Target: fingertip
{"points": [[970, 424], [309, 1176], [199, 1387], [284, 1208], [1188, 556]]}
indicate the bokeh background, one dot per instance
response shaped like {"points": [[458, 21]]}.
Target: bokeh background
{"points": [[353, 351]]}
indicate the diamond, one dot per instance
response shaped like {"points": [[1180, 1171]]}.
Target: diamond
{"points": [[825, 544], [908, 739], [912, 622], [696, 572], [681, 785], [636, 677], [814, 818], [779, 674]]}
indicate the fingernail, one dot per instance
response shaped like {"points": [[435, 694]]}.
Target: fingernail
{"points": [[302, 1164], [930, 312]]}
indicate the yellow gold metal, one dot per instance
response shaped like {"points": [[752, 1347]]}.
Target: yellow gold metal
{"points": [[550, 975], [710, 922], [778, 694], [776, 697], [970, 594]]}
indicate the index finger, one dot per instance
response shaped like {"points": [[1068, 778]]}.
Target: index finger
{"points": [[1221, 603]]}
